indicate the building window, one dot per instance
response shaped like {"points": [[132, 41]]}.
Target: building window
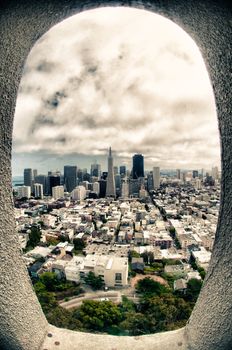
{"points": [[118, 277]]}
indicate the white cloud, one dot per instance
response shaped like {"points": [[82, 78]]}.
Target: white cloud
{"points": [[121, 77]]}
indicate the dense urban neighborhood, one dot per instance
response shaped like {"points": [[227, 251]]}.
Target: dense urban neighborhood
{"points": [[135, 259]]}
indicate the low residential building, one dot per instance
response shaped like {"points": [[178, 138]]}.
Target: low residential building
{"points": [[112, 269], [193, 274], [202, 257], [39, 252], [180, 285], [48, 220], [116, 272], [72, 269], [34, 270], [137, 264]]}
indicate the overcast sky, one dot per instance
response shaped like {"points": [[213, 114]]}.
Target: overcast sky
{"points": [[121, 77]]}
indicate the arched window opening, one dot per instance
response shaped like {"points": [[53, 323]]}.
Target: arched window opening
{"points": [[136, 222]]}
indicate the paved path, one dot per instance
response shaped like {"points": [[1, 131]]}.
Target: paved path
{"points": [[114, 296]]}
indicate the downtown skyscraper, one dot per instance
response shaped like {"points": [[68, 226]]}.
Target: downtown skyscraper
{"points": [[138, 166], [28, 177], [70, 177], [156, 177], [110, 185]]}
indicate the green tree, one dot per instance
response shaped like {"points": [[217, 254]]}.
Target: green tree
{"points": [[151, 257], [138, 324], [149, 287], [172, 232], [158, 266], [49, 280], [96, 315], [39, 287], [171, 262], [47, 299], [165, 309], [79, 244], [34, 237], [63, 318], [201, 272], [133, 254], [193, 290], [145, 256], [95, 282], [127, 305]]}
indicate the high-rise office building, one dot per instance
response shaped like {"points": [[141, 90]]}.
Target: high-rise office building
{"points": [[118, 184], [150, 185], [86, 177], [198, 184], [195, 173], [95, 170], [138, 166], [215, 173], [102, 189], [96, 187], [110, 185], [115, 170], [53, 181], [57, 173], [122, 170], [183, 177], [43, 180], [156, 177], [28, 177], [142, 192], [35, 173], [79, 175], [134, 187], [178, 173], [38, 190], [125, 188], [70, 177], [104, 175]]}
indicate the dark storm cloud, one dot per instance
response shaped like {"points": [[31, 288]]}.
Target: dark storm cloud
{"points": [[101, 78]]}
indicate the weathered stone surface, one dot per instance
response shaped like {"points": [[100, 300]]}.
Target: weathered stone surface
{"points": [[22, 323], [85, 341]]}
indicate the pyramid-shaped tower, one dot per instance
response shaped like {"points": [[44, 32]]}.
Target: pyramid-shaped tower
{"points": [[110, 185]]}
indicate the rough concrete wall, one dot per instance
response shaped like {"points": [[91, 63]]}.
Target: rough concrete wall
{"points": [[69, 340], [22, 324]]}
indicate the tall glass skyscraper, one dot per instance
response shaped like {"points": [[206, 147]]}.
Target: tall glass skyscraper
{"points": [[122, 170], [110, 185], [138, 166], [27, 177], [70, 177], [53, 181]]}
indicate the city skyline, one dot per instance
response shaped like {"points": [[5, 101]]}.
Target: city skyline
{"points": [[90, 82], [94, 165], [116, 182]]}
